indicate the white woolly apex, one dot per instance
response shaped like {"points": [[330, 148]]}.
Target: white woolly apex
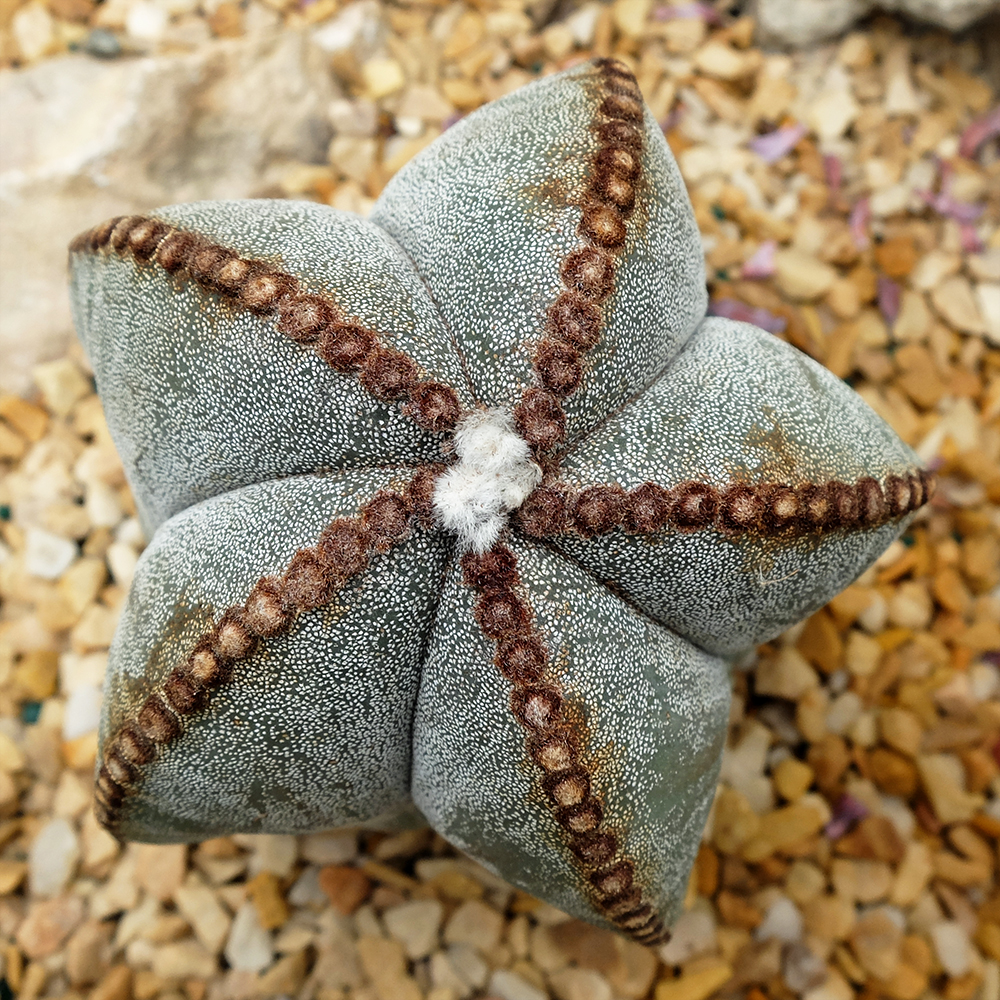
{"points": [[494, 476]]}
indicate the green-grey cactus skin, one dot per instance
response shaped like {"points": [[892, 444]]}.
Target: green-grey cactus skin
{"points": [[465, 508]]}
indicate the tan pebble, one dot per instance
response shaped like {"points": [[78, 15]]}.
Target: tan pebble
{"points": [[876, 941], [415, 925], [630, 16], [384, 962], [286, 977], [786, 675], [726, 63], [810, 714], [906, 983], [48, 924], [87, 953], [792, 778], [914, 319], [783, 828], [468, 31], [453, 884], [474, 923], [94, 630], [933, 268], [12, 874], [82, 582], [465, 94], [695, 985], [185, 959], [353, 156], [265, 891], [346, 887], [81, 753], [735, 822], [12, 757], [116, 985], [911, 606], [862, 653], [987, 296], [62, 384], [900, 729], [579, 984], [843, 298], [856, 51], [892, 772], [737, 911], [382, 76], [200, 907], [29, 420], [821, 642], [558, 41], [12, 445], [801, 276], [160, 868], [988, 939], [633, 974], [944, 781], [831, 113], [829, 917], [804, 881], [861, 879], [954, 300]]}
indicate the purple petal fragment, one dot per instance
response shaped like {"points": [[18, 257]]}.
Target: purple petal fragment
{"points": [[861, 215], [761, 262], [846, 813], [888, 299], [978, 132], [742, 313], [774, 145]]}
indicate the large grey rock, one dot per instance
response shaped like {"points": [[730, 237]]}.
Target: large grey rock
{"points": [[803, 22], [85, 139]]}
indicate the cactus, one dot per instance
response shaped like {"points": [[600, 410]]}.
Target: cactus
{"points": [[459, 514]]}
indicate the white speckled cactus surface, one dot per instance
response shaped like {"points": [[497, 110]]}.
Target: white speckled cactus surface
{"points": [[461, 511]]}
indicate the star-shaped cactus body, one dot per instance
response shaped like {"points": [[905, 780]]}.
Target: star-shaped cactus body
{"points": [[460, 512]]}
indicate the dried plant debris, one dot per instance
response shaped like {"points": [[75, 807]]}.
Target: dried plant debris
{"points": [[849, 201]]}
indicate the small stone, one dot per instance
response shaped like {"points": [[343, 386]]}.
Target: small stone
{"points": [[783, 828], [384, 961], [782, 922], [829, 917], [185, 959], [983, 266], [48, 924], [285, 977], [47, 555], [843, 712], [29, 420], [943, 779], [353, 156], [693, 934], [272, 852], [34, 30], [558, 41], [507, 985], [792, 778], [804, 881], [735, 822], [35, 677], [465, 94], [786, 675], [954, 300], [988, 300], [911, 606], [802, 276], [82, 714], [306, 891], [62, 385], [951, 943], [12, 874], [900, 729], [199, 906], [424, 102], [53, 857], [831, 114], [382, 77], [801, 968], [333, 848], [160, 868], [415, 925], [102, 43], [694, 985], [468, 965], [86, 953], [476, 924], [249, 947], [116, 985], [579, 984], [346, 887], [146, 21], [726, 63], [265, 891], [876, 940], [630, 16]]}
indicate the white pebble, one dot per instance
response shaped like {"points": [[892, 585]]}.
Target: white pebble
{"points": [[102, 505], [509, 985], [146, 22], [82, 713], [693, 934], [782, 922], [47, 555], [52, 858], [130, 532], [122, 561], [952, 946], [843, 712], [249, 946]]}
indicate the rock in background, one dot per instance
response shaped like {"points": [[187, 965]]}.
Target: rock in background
{"points": [[85, 139], [804, 22]]}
